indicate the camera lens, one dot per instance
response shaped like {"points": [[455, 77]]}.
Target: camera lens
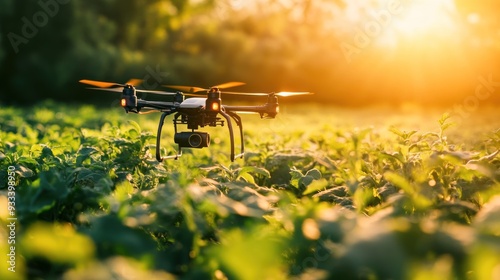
{"points": [[195, 140]]}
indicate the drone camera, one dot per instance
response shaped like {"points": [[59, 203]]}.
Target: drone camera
{"points": [[192, 139]]}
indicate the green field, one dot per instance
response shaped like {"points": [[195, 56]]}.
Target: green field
{"points": [[322, 193]]}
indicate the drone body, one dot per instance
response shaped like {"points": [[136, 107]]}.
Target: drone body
{"points": [[194, 112]]}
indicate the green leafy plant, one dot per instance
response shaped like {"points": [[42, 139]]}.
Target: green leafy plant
{"points": [[301, 204]]}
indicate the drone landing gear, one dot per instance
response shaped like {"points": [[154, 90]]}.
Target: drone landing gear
{"points": [[158, 137], [237, 119]]}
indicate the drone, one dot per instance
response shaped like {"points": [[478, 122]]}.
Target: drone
{"points": [[203, 107]]}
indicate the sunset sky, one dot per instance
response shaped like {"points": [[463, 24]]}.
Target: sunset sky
{"points": [[430, 51]]}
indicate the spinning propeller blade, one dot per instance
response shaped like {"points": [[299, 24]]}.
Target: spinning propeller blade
{"points": [[245, 112], [189, 89], [156, 92], [281, 93], [292, 93], [120, 89], [132, 82], [229, 85]]}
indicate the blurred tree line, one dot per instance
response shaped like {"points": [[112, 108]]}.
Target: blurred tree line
{"points": [[46, 46]]}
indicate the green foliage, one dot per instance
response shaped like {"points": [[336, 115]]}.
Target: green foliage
{"points": [[380, 203]]}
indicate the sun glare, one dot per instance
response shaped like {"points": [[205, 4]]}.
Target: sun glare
{"points": [[425, 17]]}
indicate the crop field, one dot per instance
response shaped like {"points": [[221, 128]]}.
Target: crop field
{"points": [[322, 193]]}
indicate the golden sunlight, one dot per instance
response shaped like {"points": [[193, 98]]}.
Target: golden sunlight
{"points": [[422, 51], [409, 49], [426, 17], [391, 22]]}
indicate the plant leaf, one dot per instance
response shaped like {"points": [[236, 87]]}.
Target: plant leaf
{"points": [[315, 186]]}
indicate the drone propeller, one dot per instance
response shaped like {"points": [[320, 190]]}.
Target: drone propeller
{"points": [[132, 82], [120, 90], [281, 93], [116, 87], [189, 89], [245, 112], [291, 93], [229, 85]]}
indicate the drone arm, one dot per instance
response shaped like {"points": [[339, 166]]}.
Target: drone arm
{"points": [[253, 109], [156, 105], [158, 138], [269, 110]]}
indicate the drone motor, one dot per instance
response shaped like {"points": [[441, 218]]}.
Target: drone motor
{"points": [[129, 98]]}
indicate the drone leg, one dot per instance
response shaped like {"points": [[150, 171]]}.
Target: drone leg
{"points": [[237, 119], [158, 139], [175, 132], [231, 136]]}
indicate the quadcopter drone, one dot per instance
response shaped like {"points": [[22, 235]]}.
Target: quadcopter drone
{"points": [[203, 108]]}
